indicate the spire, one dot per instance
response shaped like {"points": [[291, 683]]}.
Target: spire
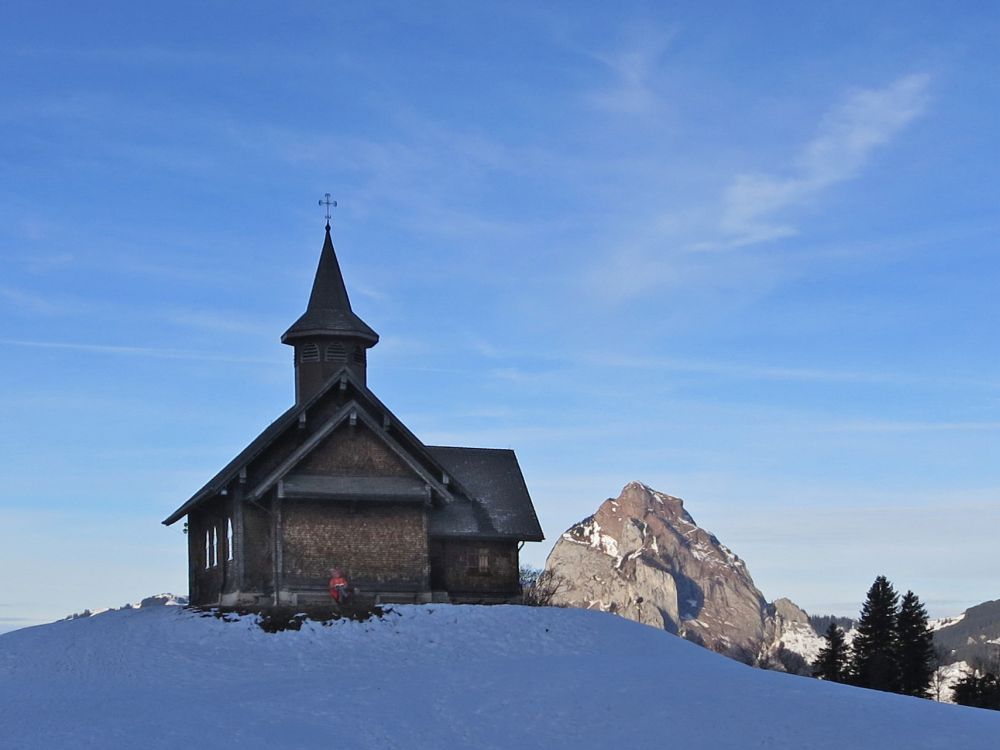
{"points": [[329, 311]]}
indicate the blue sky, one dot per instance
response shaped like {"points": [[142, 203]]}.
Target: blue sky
{"points": [[744, 254]]}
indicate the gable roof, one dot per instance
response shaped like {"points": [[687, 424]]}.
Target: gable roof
{"points": [[493, 478], [353, 411], [485, 495], [329, 310], [287, 421], [231, 470]]}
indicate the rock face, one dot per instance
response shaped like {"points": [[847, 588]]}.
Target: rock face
{"points": [[793, 632], [973, 636], [642, 556]]}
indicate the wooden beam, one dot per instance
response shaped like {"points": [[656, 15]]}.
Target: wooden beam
{"points": [[279, 548], [239, 536]]}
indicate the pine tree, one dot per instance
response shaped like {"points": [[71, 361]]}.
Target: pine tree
{"points": [[874, 656], [831, 664], [915, 647], [978, 689]]}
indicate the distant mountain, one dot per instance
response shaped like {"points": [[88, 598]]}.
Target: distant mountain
{"points": [[973, 636], [156, 600], [642, 556], [964, 643]]}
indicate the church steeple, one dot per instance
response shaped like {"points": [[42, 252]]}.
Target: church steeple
{"points": [[328, 335]]}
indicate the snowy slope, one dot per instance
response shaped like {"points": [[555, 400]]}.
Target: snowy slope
{"points": [[431, 677], [800, 638]]}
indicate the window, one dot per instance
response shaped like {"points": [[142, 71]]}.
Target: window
{"points": [[336, 353], [310, 353], [484, 560], [215, 548], [208, 549], [229, 539]]}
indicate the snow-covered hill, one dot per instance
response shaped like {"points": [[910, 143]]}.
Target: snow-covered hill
{"points": [[431, 677]]}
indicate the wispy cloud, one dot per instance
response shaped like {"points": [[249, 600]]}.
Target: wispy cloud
{"points": [[392, 173], [28, 302], [664, 248], [187, 56], [745, 371], [847, 137], [138, 351], [904, 427], [582, 360], [633, 67], [372, 293], [222, 321]]}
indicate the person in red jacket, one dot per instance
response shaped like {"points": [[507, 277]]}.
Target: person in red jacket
{"points": [[340, 589]]}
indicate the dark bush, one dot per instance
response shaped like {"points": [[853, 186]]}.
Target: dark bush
{"points": [[539, 587], [277, 619]]}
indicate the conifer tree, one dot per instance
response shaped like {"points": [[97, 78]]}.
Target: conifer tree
{"points": [[831, 664], [978, 689], [915, 647], [874, 655]]}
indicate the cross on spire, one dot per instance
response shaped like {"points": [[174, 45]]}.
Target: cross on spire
{"points": [[325, 201]]}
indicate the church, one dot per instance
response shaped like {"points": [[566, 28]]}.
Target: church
{"points": [[338, 481]]}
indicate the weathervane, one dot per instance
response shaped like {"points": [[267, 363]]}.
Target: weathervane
{"points": [[325, 201]]}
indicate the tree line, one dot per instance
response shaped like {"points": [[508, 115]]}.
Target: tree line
{"points": [[893, 650], [979, 688]]}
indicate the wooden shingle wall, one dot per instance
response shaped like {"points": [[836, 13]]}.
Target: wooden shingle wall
{"points": [[383, 546]]}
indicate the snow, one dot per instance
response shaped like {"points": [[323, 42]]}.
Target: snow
{"points": [[945, 622], [431, 677], [947, 676], [596, 538], [731, 557], [156, 600], [800, 638]]}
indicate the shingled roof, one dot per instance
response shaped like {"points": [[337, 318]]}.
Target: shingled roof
{"points": [[488, 497], [329, 309], [493, 479]]}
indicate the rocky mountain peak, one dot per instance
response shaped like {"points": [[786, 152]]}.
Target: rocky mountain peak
{"points": [[790, 612], [643, 556], [639, 520]]}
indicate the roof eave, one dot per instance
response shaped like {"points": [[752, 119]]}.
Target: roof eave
{"points": [[229, 472], [292, 333], [489, 537]]}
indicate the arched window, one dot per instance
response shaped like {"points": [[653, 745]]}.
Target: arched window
{"points": [[229, 539], [359, 355], [215, 547], [310, 353], [208, 549], [336, 353]]}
